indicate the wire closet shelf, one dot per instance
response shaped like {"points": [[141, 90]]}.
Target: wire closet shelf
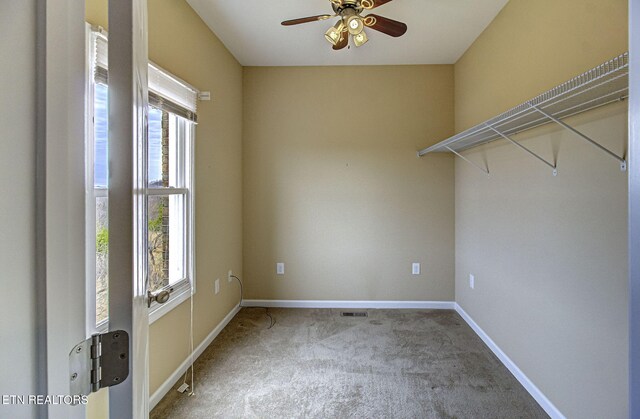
{"points": [[607, 83]]}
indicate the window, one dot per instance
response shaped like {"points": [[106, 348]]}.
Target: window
{"points": [[168, 199], [171, 133]]}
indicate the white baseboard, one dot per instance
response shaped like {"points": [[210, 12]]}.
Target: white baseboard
{"points": [[173, 378], [426, 305], [535, 392]]}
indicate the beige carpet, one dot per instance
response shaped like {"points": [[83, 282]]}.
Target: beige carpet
{"points": [[313, 363]]}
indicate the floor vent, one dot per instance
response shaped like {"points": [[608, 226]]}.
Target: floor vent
{"points": [[354, 314]]}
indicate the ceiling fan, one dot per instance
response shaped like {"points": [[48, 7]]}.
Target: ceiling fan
{"points": [[353, 23]]}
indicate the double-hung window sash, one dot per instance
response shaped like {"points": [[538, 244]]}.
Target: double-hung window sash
{"points": [[172, 119]]}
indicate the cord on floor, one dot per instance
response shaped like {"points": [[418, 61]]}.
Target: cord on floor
{"points": [[272, 321]]}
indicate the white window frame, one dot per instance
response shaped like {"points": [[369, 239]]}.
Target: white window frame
{"points": [[183, 289]]}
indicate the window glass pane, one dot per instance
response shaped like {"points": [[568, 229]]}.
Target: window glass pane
{"points": [[101, 114], [164, 152], [102, 259], [100, 180], [166, 240], [156, 151]]}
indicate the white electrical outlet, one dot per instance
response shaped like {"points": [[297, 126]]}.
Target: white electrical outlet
{"points": [[217, 285], [472, 281], [280, 268], [230, 275], [415, 269]]}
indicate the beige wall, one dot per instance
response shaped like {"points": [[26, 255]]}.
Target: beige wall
{"points": [[182, 44], [333, 188], [530, 47], [549, 254]]}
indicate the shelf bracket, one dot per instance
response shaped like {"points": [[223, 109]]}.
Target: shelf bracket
{"points": [[622, 161], [468, 161], [517, 144]]}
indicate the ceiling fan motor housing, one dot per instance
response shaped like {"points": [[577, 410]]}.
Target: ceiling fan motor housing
{"points": [[347, 5]]}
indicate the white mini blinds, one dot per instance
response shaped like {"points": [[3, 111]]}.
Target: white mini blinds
{"points": [[166, 92]]}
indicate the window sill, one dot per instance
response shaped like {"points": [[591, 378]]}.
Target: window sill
{"points": [[180, 294]]}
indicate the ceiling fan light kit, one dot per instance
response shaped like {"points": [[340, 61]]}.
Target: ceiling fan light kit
{"points": [[355, 25], [352, 23], [334, 33], [360, 39]]}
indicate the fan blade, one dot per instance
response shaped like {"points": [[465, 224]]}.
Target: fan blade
{"points": [[385, 25], [343, 42], [377, 3], [305, 20]]}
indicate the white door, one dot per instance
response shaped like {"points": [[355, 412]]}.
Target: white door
{"points": [[60, 195], [127, 201], [634, 209], [60, 185]]}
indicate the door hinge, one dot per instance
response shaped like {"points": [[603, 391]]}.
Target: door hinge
{"points": [[100, 361]]}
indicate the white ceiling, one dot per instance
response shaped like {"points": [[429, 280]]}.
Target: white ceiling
{"points": [[440, 31]]}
